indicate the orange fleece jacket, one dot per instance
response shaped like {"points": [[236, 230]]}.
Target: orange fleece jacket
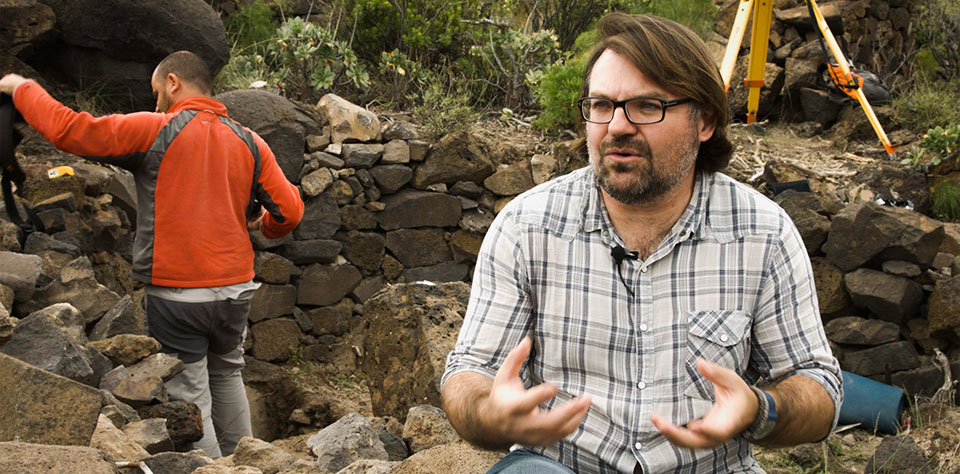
{"points": [[191, 223]]}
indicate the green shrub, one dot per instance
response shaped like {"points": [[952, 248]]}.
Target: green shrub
{"points": [[245, 71], [444, 107], [929, 104], [946, 199], [312, 62], [558, 91], [250, 28], [514, 61], [938, 31]]}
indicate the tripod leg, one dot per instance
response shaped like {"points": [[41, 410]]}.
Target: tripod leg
{"points": [[845, 67], [760, 36], [733, 44]]}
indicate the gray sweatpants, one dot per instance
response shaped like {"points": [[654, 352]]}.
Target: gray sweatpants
{"points": [[208, 338]]}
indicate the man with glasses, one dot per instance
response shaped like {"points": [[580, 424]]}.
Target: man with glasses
{"points": [[645, 313]]}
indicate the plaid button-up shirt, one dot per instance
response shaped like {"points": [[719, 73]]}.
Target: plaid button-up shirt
{"points": [[731, 283]]}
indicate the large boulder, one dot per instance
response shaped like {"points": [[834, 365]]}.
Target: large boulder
{"points": [[27, 23], [118, 43], [890, 297], [77, 285], [944, 307], [280, 122], [28, 458], [348, 122], [862, 232], [20, 272], [411, 329], [410, 208], [41, 407]]}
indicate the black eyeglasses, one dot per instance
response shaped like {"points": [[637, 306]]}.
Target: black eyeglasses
{"points": [[639, 110]]}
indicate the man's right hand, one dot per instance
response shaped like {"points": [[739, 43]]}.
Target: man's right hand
{"points": [[514, 412], [10, 82]]}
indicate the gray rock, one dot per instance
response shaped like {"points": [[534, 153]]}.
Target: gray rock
{"points": [[42, 341], [275, 339], [396, 152], [175, 463], [70, 319], [28, 458], [459, 457], [114, 444], [427, 426], [38, 242], [281, 123], [262, 455], [306, 324], [78, 286], [477, 221], [351, 438], [818, 107], [864, 231], [889, 297], [126, 412], [831, 290], [460, 156], [122, 318], [348, 122], [510, 180], [400, 130], [369, 466], [151, 434], [900, 268], [272, 268], [368, 287], [41, 407], [184, 424], [411, 329], [944, 307], [322, 285], [354, 217], [332, 320], [418, 247], [892, 357], [326, 160], [923, 381], [390, 178], [20, 272], [363, 249], [127, 349], [272, 301], [27, 24], [409, 209], [316, 182], [857, 330], [441, 272], [321, 218], [100, 364], [305, 252], [137, 392], [891, 179], [394, 445], [897, 455], [361, 155], [418, 150], [161, 365]]}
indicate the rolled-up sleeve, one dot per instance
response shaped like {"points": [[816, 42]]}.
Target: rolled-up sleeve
{"points": [[499, 312], [788, 333]]}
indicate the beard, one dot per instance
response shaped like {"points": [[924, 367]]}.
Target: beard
{"points": [[644, 181], [164, 102]]}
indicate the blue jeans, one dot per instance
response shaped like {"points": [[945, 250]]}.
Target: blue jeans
{"points": [[522, 461]]}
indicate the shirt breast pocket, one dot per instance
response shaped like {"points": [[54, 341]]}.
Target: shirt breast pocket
{"points": [[718, 336]]}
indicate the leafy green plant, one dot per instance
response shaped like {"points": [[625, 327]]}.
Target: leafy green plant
{"points": [[245, 71], [557, 90], [938, 145], [699, 15], [312, 61], [398, 73], [515, 60]]}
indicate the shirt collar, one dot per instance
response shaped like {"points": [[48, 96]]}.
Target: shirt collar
{"points": [[691, 223]]}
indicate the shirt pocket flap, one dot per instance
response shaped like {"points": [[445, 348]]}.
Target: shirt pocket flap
{"points": [[722, 327]]}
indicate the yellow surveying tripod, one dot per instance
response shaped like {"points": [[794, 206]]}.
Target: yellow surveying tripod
{"points": [[849, 82]]}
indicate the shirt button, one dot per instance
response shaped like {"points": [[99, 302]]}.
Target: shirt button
{"points": [[723, 338], [643, 327], [641, 386], [638, 445], [606, 234]]}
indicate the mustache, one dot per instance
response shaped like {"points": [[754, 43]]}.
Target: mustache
{"points": [[635, 147]]}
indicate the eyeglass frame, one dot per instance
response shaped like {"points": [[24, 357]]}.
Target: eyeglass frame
{"points": [[622, 104]]}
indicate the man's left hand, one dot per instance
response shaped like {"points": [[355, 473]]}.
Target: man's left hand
{"points": [[10, 82], [733, 411]]}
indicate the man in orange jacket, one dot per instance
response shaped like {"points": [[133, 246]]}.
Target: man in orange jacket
{"points": [[202, 181]]}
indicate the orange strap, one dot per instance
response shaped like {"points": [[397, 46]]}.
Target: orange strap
{"points": [[847, 84]]}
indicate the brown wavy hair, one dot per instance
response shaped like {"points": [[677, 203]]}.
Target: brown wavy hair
{"points": [[676, 59]]}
